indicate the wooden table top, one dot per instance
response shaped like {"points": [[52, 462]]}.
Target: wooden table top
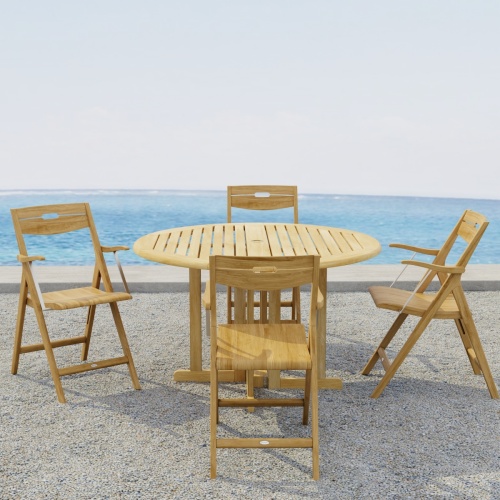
{"points": [[191, 246]]}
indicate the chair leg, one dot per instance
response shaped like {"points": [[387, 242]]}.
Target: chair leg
{"points": [[314, 422], [400, 357], [296, 305], [207, 323], [477, 347], [214, 420], [469, 350], [124, 342], [384, 344], [54, 370], [21, 314], [470, 329], [88, 333], [307, 398], [250, 388]]}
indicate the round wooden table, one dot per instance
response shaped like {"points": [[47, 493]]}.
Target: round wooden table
{"points": [[191, 247]]}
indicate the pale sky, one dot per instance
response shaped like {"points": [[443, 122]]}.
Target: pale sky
{"points": [[388, 97]]}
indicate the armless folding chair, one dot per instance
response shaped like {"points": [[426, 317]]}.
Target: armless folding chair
{"points": [[251, 346], [263, 198], [448, 302], [47, 220]]}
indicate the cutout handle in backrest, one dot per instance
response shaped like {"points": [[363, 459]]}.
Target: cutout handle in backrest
{"points": [[265, 269], [471, 229]]}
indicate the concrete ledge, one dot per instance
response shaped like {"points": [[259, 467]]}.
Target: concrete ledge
{"points": [[160, 278]]}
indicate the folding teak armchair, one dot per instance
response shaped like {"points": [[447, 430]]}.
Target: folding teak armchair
{"points": [[42, 221], [251, 346], [448, 302]]}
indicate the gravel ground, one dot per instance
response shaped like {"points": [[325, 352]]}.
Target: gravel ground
{"points": [[434, 432]]}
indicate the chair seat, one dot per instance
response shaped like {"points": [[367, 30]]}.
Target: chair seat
{"points": [[80, 297], [394, 299], [262, 347]]}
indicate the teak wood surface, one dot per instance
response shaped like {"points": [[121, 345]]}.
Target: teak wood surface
{"points": [[191, 247]]}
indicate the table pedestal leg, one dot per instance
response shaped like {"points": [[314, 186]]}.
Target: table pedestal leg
{"points": [[274, 317], [196, 373], [321, 327], [195, 361]]}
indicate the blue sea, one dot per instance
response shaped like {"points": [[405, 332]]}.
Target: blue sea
{"points": [[123, 216]]}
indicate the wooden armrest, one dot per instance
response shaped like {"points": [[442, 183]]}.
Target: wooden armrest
{"points": [[435, 267], [118, 264], [426, 251], [29, 258], [114, 249]]}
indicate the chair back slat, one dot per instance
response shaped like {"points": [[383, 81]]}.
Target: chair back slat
{"points": [[251, 202], [263, 197], [472, 224], [51, 219], [263, 274], [61, 224]]}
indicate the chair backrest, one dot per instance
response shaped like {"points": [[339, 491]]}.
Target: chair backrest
{"points": [[47, 220], [265, 197], [470, 228], [264, 274]]}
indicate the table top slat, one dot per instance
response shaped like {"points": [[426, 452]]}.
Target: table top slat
{"points": [[195, 242], [217, 240], [274, 242], [286, 245], [184, 240], [241, 244], [170, 243], [229, 246], [206, 244]]}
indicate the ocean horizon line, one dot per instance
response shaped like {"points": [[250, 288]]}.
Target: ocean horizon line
{"points": [[218, 192]]}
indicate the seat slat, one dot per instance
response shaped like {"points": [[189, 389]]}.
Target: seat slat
{"points": [[262, 346], [394, 299], [81, 297]]}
